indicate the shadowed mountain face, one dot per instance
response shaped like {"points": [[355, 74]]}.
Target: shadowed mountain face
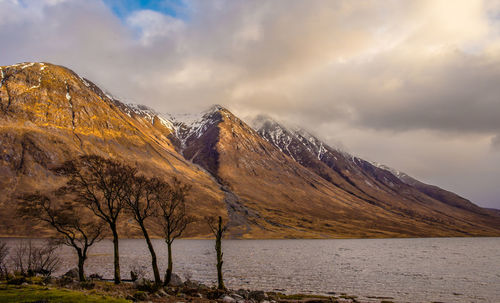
{"points": [[270, 181], [377, 184]]}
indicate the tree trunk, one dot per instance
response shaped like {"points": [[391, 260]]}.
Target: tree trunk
{"points": [[81, 273], [117, 255], [168, 275], [218, 249], [154, 263]]}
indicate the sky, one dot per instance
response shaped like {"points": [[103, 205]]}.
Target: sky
{"points": [[411, 84]]}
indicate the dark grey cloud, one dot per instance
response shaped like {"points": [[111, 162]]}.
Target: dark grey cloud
{"points": [[459, 95], [412, 84]]}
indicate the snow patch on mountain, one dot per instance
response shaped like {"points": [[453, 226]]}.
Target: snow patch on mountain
{"points": [[398, 174], [148, 114], [39, 83], [23, 65], [85, 82], [283, 137], [3, 77], [297, 143], [193, 126], [109, 96], [27, 65]]}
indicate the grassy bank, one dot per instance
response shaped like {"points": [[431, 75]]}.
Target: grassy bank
{"points": [[37, 293], [40, 290]]}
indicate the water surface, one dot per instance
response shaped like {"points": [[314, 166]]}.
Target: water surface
{"points": [[407, 270]]}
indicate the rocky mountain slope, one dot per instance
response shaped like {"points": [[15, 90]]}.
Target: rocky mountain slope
{"points": [[48, 114], [375, 183], [269, 182]]}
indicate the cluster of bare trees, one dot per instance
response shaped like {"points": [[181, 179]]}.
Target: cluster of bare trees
{"points": [[97, 192], [68, 219], [29, 259]]}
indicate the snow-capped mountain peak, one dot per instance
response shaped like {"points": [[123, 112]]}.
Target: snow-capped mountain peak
{"points": [[189, 126], [290, 139], [148, 114]]}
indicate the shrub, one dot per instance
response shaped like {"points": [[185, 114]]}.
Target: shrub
{"points": [[64, 280], [36, 280], [95, 277], [29, 259], [17, 280], [87, 285], [146, 285], [140, 295], [137, 272]]}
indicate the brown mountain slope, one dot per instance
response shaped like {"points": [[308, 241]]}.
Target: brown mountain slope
{"points": [[272, 191], [49, 114], [394, 191]]}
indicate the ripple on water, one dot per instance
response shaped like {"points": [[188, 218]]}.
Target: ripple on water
{"points": [[407, 270]]}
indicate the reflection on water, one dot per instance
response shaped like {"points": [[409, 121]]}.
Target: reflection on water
{"points": [[408, 270]]}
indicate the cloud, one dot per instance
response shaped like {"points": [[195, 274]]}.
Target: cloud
{"points": [[457, 93], [153, 25], [495, 142], [402, 73]]}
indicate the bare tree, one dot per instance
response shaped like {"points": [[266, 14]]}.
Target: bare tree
{"points": [[68, 219], [29, 259], [18, 258], [218, 231], [140, 203], [100, 184], [4, 252], [45, 258], [171, 214]]}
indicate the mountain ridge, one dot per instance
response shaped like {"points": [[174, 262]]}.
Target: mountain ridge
{"points": [[321, 149], [266, 185]]}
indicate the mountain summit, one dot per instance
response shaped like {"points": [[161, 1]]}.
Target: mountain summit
{"points": [[269, 181]]}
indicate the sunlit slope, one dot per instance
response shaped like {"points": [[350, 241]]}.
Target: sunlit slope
{"points": [[48, 114]]}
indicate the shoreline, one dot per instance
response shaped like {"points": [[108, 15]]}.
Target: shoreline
{"points": [[68, 289], [292, 271], [253, 239]]}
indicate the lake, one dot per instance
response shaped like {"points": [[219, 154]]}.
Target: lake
{"points": [[406, 270]]}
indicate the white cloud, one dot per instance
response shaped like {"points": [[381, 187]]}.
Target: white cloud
{"points": [[153, 25], [370, 73]]}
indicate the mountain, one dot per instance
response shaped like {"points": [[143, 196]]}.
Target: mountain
{"points": [[48, 114], [376, 184], [268, 181]]}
